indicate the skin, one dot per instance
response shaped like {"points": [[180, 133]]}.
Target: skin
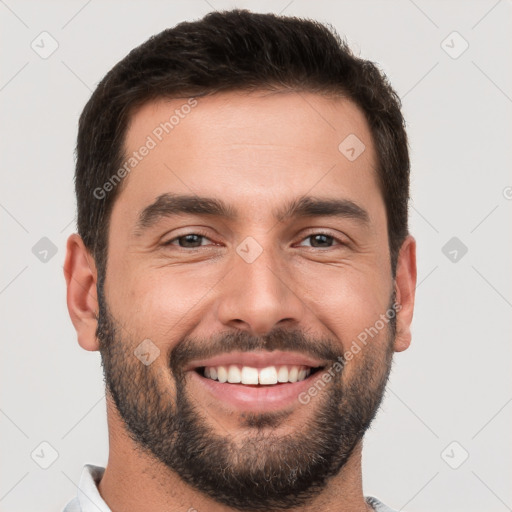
{"points": [[256, 152]]}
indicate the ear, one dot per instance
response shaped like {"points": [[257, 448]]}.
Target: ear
{"points": [[81, 278], [405, 286]]}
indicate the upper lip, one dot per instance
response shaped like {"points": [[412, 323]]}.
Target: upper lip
{"points": [[258, 359]]}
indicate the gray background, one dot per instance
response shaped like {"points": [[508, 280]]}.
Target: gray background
{"points": [[453, 384]]}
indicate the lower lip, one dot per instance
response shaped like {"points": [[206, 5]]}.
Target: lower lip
{"points": [[257, 398]]}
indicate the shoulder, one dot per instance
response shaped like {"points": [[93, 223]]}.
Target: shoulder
{"points": [[377, 505], [72, 506]]}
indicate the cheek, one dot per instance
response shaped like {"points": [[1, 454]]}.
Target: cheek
{"points": [[348, 300], [162, 303]]}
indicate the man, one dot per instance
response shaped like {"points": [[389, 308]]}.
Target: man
{"points": [[243, 264]]}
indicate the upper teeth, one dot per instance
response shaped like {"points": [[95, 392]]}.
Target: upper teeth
{"points": [[236, 374]]}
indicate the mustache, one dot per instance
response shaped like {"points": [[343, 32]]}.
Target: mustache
{"points": [[192, 348]]}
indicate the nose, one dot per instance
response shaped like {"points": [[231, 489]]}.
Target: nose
{"points": [[258, 296]]}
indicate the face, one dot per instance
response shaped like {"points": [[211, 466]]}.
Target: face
{"points": [[247, 257]]}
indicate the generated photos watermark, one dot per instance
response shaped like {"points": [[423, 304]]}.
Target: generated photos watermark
{"points": [[357, 345], [152, 140]]}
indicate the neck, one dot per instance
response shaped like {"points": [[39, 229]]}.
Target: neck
{"points": [[135, 482]]}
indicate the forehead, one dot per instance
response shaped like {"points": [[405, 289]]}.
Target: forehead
{"points": [[249, 149]]}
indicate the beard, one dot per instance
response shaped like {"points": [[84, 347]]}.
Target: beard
{"points": [[260, 470]]}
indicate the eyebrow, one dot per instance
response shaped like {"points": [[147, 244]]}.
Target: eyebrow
{"points": [[169, 205]]}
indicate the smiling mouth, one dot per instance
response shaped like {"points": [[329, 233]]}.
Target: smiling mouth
{"points": [[257, 377]]}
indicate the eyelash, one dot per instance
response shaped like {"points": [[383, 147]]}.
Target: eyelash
{"points": [[204, 235]]}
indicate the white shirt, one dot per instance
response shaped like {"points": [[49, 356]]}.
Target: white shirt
{"points": [[88, 498]]}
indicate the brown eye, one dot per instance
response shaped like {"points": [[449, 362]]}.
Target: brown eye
{"points": [[321, 240], [190, 241]]}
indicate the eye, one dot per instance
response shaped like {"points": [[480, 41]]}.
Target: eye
{"points": [[188, 241], [195, 240], [322, 240]]}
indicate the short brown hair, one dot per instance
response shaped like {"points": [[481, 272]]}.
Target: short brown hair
{"points": [[235, 50]]}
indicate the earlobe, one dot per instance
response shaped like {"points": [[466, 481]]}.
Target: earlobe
{"points": [[82, 301], [405, 285]]}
